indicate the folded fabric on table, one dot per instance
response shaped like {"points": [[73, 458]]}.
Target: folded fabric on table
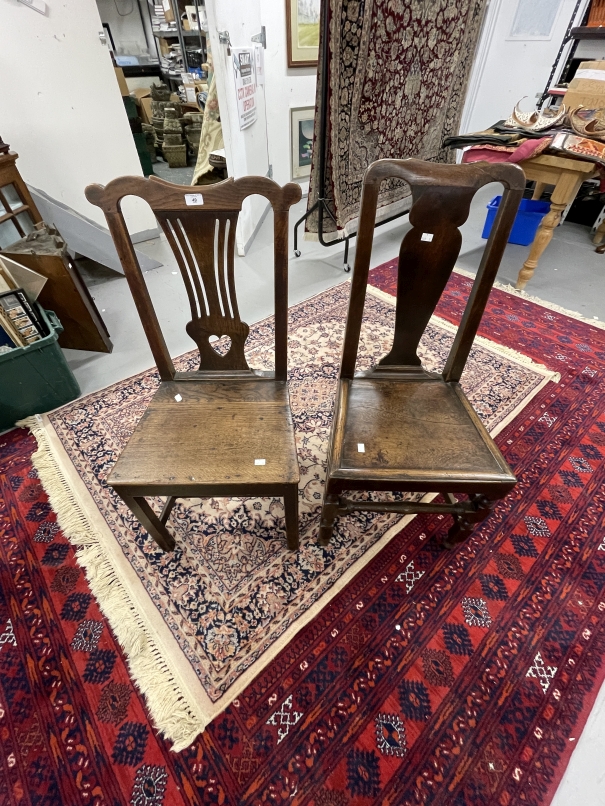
{"points": [[491, 153], [490, 136], [576, 146]]}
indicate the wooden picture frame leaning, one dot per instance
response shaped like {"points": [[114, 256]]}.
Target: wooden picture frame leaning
{"points": [[302, 32], [301, 141]]}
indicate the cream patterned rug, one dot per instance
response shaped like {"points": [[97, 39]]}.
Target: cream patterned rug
{"points": [[199, 623]]}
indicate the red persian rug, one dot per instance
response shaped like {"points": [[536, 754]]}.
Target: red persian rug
{"points": [[446, 678]]}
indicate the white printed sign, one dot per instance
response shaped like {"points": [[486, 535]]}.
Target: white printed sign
{"points": [[245, 86]]}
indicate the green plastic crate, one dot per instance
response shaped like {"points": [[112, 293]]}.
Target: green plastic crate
{"points": [[36, 378]]}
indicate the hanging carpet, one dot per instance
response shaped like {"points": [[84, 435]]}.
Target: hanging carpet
{"points": [[397, 73]]}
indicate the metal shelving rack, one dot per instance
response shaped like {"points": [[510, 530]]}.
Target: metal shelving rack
{"points": [[574, 34], [179, 33]]}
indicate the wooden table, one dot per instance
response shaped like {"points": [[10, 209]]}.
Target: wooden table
{"points": [[566, 175]]}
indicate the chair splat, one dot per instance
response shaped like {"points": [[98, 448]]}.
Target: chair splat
{"points": [[204, 245], [427, 258]]}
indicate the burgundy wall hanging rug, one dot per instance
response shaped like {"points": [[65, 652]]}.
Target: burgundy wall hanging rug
{"points": [[397, 74]]}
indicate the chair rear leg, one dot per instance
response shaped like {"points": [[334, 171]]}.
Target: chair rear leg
{"points": [[329, 512], [145, 514], [464, 524], [168, 507], [291, 507]]}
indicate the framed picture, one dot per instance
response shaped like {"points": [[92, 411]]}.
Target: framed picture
{"points": [[302, 20], [301, 133]]}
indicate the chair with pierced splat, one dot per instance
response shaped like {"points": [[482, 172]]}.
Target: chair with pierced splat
{"points": [[398, 427], [224, 429]]}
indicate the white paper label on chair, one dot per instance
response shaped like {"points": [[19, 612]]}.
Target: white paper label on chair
{"points": [[427, 236], [193, 199], [260, 461], [178, 398], [361, 448]]}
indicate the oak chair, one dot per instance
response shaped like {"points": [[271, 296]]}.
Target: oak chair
{"points": [[224, 429], [398, 427]]}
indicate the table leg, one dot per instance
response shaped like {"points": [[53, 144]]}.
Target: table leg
{"points": [[565, 192], [538, 190], [599, 237], [541, 241]]}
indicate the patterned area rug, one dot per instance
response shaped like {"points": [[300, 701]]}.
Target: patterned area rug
{"points": [[217, 609], [444, 678], [73, 730], [397, 77]]}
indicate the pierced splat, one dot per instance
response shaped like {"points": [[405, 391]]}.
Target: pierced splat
{"points": [[202, 432], [204, 246], [425, 265]]}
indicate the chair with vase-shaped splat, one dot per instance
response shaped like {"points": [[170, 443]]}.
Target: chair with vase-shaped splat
{"points": [[398, 427]]}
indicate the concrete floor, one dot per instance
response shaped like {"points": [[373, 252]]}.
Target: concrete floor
{"points": [[178, 176], [570, 274]]}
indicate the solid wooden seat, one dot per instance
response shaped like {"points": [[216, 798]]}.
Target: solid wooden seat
{"points": [[224, 429], [398, 427], [415, 432], [183, 442]]}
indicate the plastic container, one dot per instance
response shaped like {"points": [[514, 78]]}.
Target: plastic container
{"points": [[527, 221], [36, 378]]}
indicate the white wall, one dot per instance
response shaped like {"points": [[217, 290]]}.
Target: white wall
{"points": [[285, 88], [125, 27], [505, 70], [60, 106]]}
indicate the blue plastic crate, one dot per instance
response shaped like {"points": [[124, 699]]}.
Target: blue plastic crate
{"points": [[527, 221]]}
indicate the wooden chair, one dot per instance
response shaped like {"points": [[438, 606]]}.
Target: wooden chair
{"points": [[224, 429], [398, 427]]}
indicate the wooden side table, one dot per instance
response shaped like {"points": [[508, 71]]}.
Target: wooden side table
{"points": [[566, 175]]}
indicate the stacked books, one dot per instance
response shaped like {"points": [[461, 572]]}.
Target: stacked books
{"points": [[20, 325], [159, 21]]}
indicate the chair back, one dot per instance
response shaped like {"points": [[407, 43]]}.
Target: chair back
{"points": [[441, 198], [200, 226]]}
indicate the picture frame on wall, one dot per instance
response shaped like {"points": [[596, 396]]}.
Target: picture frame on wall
{"points": [[302, 34], [301, 136]]}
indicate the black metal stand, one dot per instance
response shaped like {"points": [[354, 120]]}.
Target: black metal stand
{"points": [[321, 205], [567, 38]]}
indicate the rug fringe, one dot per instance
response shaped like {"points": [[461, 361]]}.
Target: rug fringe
{"points": [[169, 712], [510, 289]]}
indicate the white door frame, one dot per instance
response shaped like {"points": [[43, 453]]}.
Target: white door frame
{"points": [[255, 208]]}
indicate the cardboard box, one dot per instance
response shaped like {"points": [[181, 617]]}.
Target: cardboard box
{"points": [[141, 95], [168, 12], [588, 86], [124, 91], [140, 92], [164, 46], [145, 109]]}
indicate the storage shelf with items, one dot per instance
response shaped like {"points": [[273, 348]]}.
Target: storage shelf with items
{"points": [[584, 41], [180, 32]]}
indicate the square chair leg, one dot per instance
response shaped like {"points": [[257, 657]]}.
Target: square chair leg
{"points": [[464, 524], [291, 507], [329, 512], [145, 514]]}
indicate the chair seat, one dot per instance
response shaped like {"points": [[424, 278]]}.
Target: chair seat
{"points": [[422, 430], [212, 436]]}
